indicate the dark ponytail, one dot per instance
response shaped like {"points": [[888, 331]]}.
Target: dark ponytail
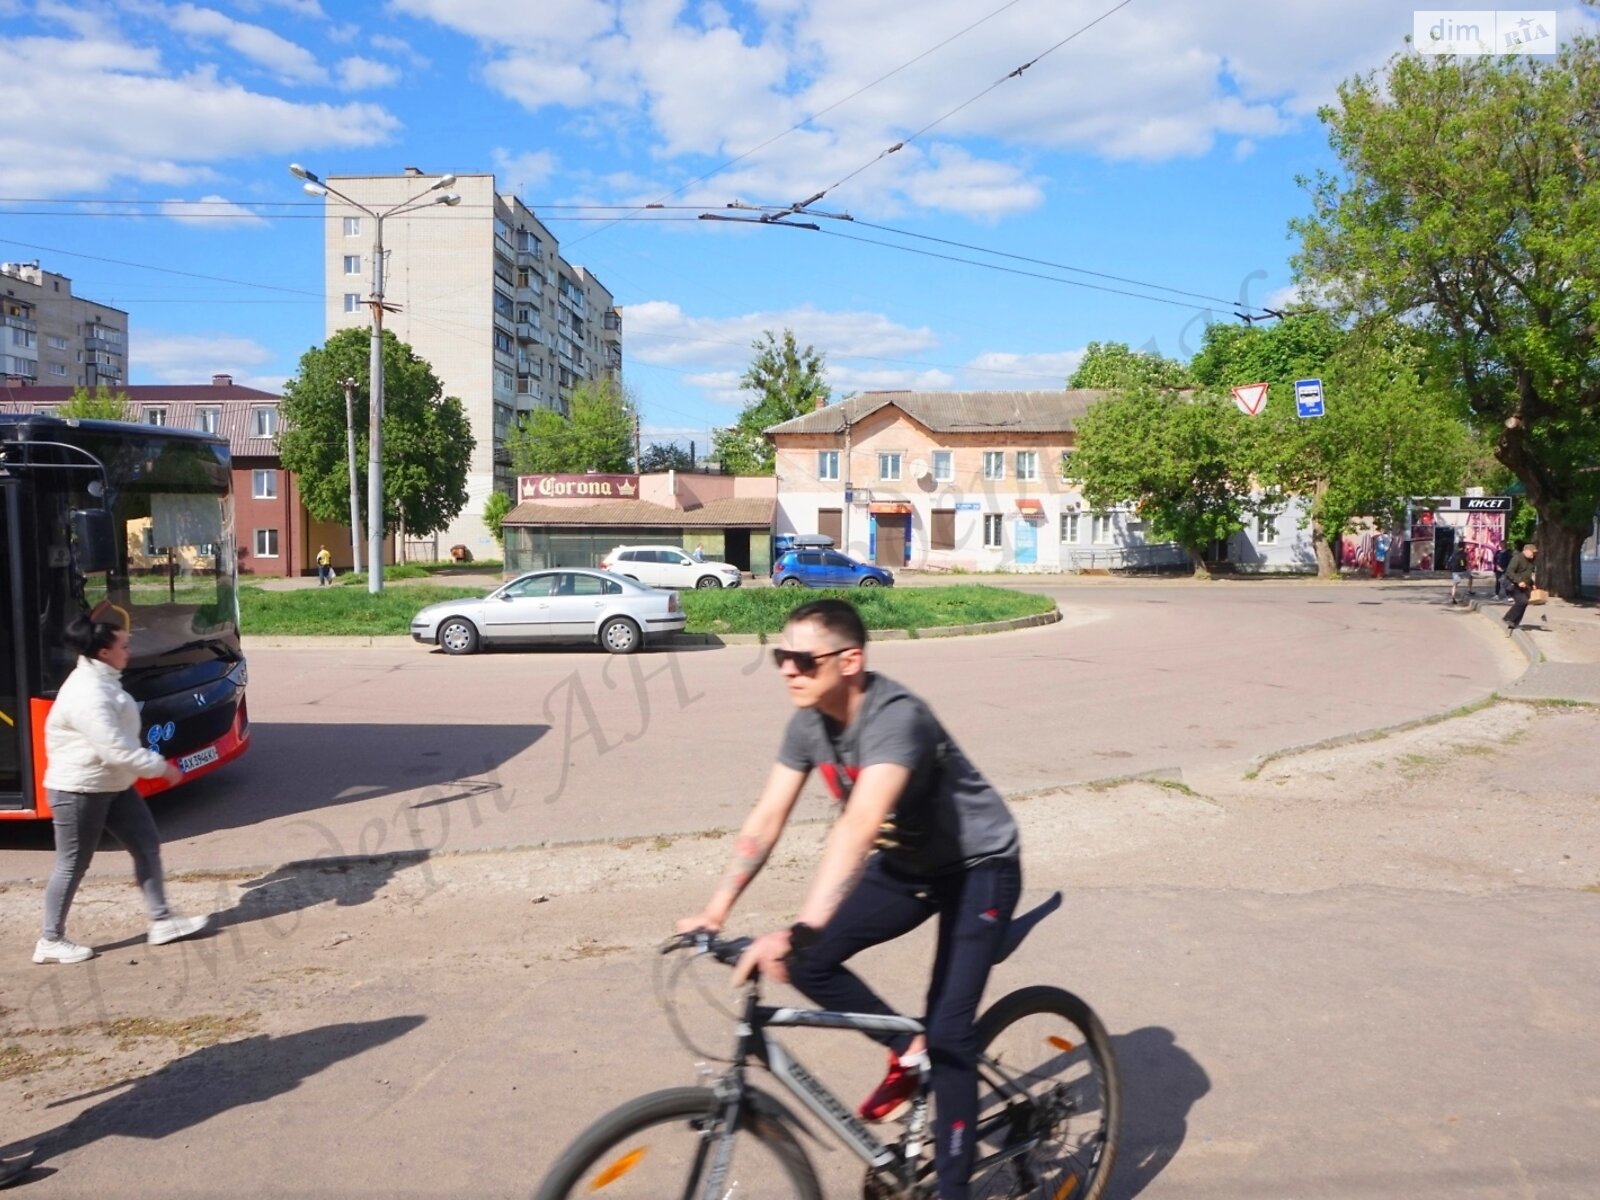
{"points": [[88, 637]]}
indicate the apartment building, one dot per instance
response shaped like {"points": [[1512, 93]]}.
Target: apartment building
{"points": [[51, 337], [481, 291], [977, 481]]}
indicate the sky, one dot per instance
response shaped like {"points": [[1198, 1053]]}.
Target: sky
{"points": [[1156, 141]]}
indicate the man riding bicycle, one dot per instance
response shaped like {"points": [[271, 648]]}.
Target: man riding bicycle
{"points": [[921, 832]]}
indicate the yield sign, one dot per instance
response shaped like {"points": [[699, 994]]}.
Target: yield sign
{"points": [[1251, 398]]}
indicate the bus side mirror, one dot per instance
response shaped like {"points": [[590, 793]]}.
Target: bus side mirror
{"points": [[94, 548]]}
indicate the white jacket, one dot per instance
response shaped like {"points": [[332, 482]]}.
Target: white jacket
{"points": [[91, 737]]}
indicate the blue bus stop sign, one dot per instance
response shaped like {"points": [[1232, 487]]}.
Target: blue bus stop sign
{"points": [[1308, 397]]}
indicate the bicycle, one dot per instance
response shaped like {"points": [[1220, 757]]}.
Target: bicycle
{"points": [[1045, 1129]]}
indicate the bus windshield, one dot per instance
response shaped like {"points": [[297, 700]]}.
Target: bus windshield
{"points": [[175, 584]]}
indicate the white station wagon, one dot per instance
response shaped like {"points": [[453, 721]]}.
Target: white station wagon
{"points": [[669, 567]]}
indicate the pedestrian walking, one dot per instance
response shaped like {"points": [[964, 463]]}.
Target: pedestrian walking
{"points": [[1380, 554], [1502, 560], [93, 756], [324, 568], [1460, 573], [699, 554], [1519, 579]]}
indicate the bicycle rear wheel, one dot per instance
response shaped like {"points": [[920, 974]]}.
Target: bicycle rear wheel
{"points": [[1050, 1102], [662, 1145]]}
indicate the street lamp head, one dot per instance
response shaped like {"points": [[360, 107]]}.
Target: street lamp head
{"points": [[450, 198], [300, 172], [315, 189], [444, 182]]}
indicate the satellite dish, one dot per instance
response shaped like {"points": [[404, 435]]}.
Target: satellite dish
{"points": [[919, 469]]}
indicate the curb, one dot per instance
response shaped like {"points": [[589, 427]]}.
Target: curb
{"points": [[393, 641]]}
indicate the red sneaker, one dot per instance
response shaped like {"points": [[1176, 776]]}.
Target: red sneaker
{"points": [[893, 1096]]}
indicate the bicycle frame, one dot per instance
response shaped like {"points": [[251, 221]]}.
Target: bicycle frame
{"points": [[753, 1043]]}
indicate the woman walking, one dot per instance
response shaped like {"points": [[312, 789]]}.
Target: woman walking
{"points": [[93, 756]]}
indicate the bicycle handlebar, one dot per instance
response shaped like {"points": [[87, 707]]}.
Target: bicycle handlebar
{"points": [[703, 941]]}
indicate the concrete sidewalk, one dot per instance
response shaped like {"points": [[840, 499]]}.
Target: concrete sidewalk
{"points": [[1562, 643]]}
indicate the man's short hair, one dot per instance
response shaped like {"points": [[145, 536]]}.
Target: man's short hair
{"points": [[838, 618]]}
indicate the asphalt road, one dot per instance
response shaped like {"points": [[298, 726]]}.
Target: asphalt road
{"points": [[370, 750]]}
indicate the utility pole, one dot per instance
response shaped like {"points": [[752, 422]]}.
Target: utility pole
{"points": [[375, 513], [637, 455], [355, 492]]}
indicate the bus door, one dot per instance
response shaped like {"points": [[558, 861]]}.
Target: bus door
{"points": [[16, 773]]}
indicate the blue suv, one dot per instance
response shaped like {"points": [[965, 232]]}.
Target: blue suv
{"points": [[827, 569]]}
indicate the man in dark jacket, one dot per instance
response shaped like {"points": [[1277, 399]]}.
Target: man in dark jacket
{"points": [[1519, 579], [1502, 560]]}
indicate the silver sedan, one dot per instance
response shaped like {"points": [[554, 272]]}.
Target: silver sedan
{"points": [[565, 605]]}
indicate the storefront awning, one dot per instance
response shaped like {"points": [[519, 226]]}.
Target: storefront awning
{"points": [[890, 510], [1031, 506]]}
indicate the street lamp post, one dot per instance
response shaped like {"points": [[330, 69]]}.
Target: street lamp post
{"points": [[375, 522]]}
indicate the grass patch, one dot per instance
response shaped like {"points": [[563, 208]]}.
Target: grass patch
{"points": [[16, 1060], [765, 610], [336, 610]]}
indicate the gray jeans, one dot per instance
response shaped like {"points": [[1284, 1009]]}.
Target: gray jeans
{"points": [[80, 818]]}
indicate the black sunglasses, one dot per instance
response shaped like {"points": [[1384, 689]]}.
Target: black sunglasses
{"points": [[805, 661]]}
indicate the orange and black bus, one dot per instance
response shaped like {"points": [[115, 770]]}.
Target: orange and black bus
{"points": [[131, 520]]}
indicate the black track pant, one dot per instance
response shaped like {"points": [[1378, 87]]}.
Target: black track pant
{"points": [[974, 908]]}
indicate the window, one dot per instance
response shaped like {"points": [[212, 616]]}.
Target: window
{"points": [[352, 302], [352, 227], [58, 368], [503, 343], [993, 524], [944, 466], [1028, 465], [1066, 465], [263, 422], [150, 547], [889, 466], [827, 464], [1267, 529], [994, 464], [266, 543], [206, 420], [57, 343], [944, 529], [155, 416], [1069, 528], [264, 485], [830, 559], [1104, 529], [503, 305], [352, 264]]}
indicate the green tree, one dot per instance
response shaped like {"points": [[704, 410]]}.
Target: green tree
{"points": [[785, 382], [495, 509], [1389, 431], [1183, 461], [597, 435], [665, 456], [101, 405], [427, 441], [1114, 365], [1469, 206]]}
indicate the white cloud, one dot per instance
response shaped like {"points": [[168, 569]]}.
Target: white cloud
{"points": [[300, 8], [123, 118], [1159, 80], [214, 212], [357, 74], [525, 171], [1001, 370], [196, 357], [290, 62], [399, 47]]}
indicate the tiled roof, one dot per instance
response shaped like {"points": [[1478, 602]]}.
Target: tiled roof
{"points": [[182, 402], [729, 513], [956, 412]]}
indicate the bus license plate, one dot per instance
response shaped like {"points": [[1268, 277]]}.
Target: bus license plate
{"points": [[199, 758]]}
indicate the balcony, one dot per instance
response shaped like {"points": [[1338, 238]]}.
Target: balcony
{"points": [[108, 364], [99, 342], [26, 324], [18, 368], [614, 360], [613, 321], [528, 331], [530, 258]]}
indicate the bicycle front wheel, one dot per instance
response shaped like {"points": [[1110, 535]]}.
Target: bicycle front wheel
{"points": [[1050, 1102], [663, 1145]]}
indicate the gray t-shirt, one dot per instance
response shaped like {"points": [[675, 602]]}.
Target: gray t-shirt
{"points": [[949, 817]]}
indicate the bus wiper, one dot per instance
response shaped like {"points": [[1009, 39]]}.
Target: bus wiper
{"points": [[220, 649]]}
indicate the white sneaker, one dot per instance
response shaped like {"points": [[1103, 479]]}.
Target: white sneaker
{"points": [[175, 929], [61, 951]]}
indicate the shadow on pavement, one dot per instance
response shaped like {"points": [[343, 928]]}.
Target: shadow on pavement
{"points": [[1161, 1082], [210, 1081]]}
